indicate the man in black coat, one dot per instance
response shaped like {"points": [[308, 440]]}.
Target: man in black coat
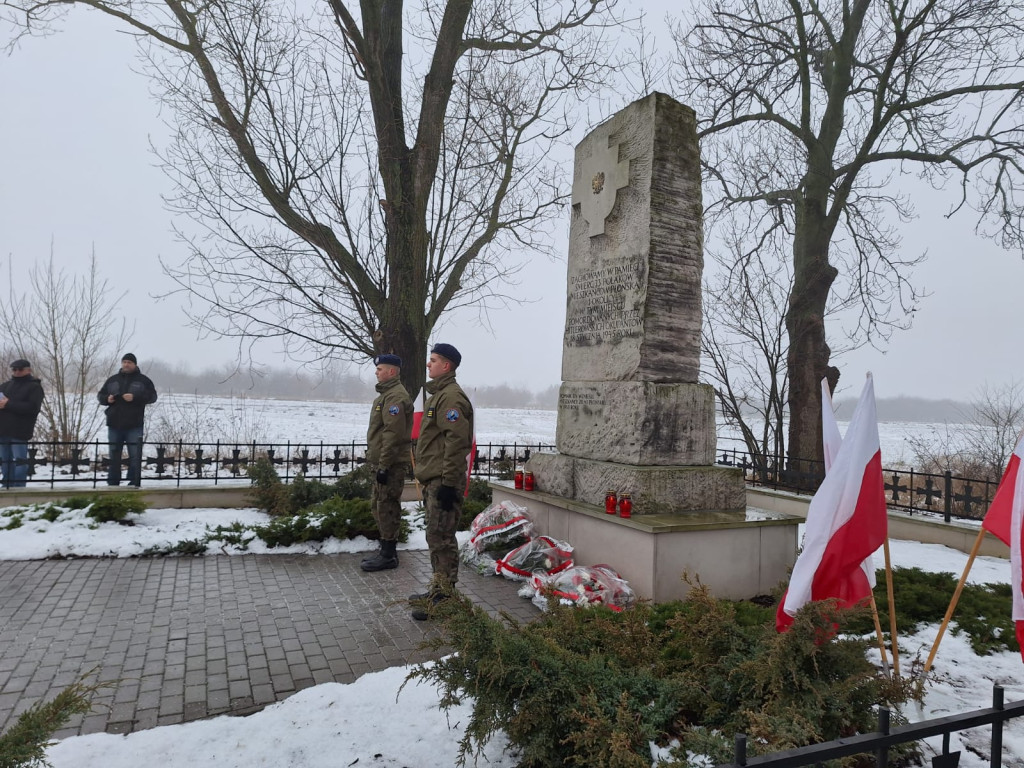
{"points": [[126, 395], [21, 397]]}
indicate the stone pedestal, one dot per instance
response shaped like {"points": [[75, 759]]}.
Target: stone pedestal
{"points": [[738, 555], [637, 422], [655, 490]]}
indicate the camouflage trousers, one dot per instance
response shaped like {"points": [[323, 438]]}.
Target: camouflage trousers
{"points": [[441, 525], [386, 502]]}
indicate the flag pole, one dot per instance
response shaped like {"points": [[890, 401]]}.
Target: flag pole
{"points": [[952, 605], [893, 637], [878, 634]]}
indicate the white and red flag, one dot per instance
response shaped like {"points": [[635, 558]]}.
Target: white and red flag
{"points": [[831, 442], [1005, 520], [846, 521]]}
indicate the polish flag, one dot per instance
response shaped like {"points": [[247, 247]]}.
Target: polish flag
{"points": [[1005, 520], [831, 441], [846, 521]]}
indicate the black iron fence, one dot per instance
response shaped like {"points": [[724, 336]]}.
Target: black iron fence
{"points": [[54, 463], [940, 495], [879, 742]]}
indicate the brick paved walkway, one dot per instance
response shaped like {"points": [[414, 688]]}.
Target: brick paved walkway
{"points": [[187, 638]]}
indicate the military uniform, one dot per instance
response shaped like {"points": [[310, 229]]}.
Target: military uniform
{"points": [[442, 456], [388, 442]]}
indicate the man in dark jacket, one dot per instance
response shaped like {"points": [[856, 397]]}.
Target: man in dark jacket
{"points": [[21, 397], [388, 440], [442, 466], [126, 395]]}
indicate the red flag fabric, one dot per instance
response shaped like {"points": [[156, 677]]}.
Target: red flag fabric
{"points": [[1005, 520], [846, 521], [469, 465], [417, 419]]}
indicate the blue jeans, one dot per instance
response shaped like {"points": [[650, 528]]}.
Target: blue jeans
{"points": [[118, 439], [11, 451]]}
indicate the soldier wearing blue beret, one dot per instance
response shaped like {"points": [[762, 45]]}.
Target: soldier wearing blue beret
{"points": [[388, 442], [442, 456]]}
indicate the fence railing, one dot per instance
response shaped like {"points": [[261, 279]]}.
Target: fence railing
{"points": [[58, 463], [945, 495], [879, 742]]}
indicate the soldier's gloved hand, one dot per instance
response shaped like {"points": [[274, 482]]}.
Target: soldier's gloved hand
{"points": [[446, 497], [382, 477]]}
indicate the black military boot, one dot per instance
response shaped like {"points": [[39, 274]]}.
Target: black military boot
{"points": [[374, 556], [384, 560]]}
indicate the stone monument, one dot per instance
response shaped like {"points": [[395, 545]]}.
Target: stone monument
{"points": [[632, 416]]}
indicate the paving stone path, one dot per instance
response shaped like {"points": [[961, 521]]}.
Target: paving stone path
{"points": [[190, 637]]}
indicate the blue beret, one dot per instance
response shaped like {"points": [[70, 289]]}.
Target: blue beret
{"points": [[448, 351], [394, 360]]}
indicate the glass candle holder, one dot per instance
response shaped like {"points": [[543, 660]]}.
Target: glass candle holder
{"points": [[625, 505], [518, 479], [528, 482], [610, 500]]}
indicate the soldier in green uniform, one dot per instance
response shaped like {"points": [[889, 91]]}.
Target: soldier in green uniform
{"points": [[442, 456], [388, 442]]}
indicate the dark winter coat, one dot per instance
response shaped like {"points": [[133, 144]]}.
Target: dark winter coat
{"points": [[24, 399], [122, 414]]}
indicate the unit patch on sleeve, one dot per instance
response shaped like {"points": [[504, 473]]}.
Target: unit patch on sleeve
{"points": [[394, 410], [452, 415]]}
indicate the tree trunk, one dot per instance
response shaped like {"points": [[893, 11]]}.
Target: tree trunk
{"points": [[808, 358]]}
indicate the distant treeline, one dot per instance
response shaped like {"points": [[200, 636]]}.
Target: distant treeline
{"points": [[915, 409], [346, 387], [331, 385]]}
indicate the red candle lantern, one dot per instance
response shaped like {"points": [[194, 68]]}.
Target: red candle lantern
{"points": [[519, 480], [528, 481], [625, 505], [609, 502]]}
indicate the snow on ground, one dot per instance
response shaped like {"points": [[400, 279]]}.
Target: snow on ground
{"points": [[370, 723], [76, 535]]}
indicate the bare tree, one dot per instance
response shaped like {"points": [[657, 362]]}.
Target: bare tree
{"points": [[356, 171], [69, 328], [743, 341], [808, 111]]}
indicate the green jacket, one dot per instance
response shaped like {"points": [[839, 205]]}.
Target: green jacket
{"points": [[446, 434], [390, 433]]}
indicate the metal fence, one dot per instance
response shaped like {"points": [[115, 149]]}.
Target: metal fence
{"points": [[939, 495], [55, 463], [879, 742]]}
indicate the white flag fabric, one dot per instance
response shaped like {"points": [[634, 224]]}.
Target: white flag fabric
{"points": [[830, 437], [846, 520]]}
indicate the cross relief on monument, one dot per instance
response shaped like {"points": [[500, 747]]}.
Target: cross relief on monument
{"points": [[600, 176]]}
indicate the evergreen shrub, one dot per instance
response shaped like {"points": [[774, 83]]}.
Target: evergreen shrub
{"points": [[110, 508], [984, 612], [24, 744], [594, 688], [337, 517]]}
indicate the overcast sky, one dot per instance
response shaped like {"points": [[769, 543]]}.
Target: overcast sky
{"points": [[77, 170]]}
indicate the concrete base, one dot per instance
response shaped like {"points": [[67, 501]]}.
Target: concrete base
{"points": [[655, 490], [738, 555]]}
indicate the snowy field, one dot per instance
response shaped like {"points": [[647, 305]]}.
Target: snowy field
{"points": [[307, 421], [371, 723]]}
